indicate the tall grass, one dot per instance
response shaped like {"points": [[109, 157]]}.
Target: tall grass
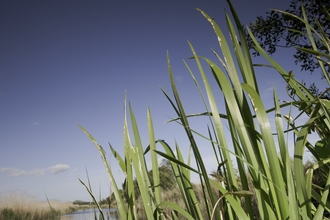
{"points": [[19, 205], [265, 181]]}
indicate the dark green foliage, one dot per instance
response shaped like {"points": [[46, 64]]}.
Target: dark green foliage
{"points": [[320, 175], [275, 31], [272, 31], [167, 179], [107, 200], [319, 180], [322, 147], [79, 202]]}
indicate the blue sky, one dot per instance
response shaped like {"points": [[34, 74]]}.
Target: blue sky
{"points": [[65, 63]]}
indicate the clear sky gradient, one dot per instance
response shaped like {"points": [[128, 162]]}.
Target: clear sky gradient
{"points": [[64, 63]]}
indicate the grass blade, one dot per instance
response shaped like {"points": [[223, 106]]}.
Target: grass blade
{"points": [[120, 202]]}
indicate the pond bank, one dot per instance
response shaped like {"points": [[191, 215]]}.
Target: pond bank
{"points": [[89, 214]]}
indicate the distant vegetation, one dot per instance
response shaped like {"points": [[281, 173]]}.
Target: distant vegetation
{"points": [[18, 205], [267, 183], [80, 202]]}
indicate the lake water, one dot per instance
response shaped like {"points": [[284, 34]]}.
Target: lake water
{"points": [[88, 214]]}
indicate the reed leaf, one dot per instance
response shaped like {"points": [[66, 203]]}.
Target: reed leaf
{"points": [[154, 160], [118, 196], [270, 186]]}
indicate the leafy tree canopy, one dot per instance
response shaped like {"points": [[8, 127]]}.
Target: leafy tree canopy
{"points": [[278, 30]]}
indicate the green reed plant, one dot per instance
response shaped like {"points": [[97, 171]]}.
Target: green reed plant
{"points": [[90, 192], [264, 170]]}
